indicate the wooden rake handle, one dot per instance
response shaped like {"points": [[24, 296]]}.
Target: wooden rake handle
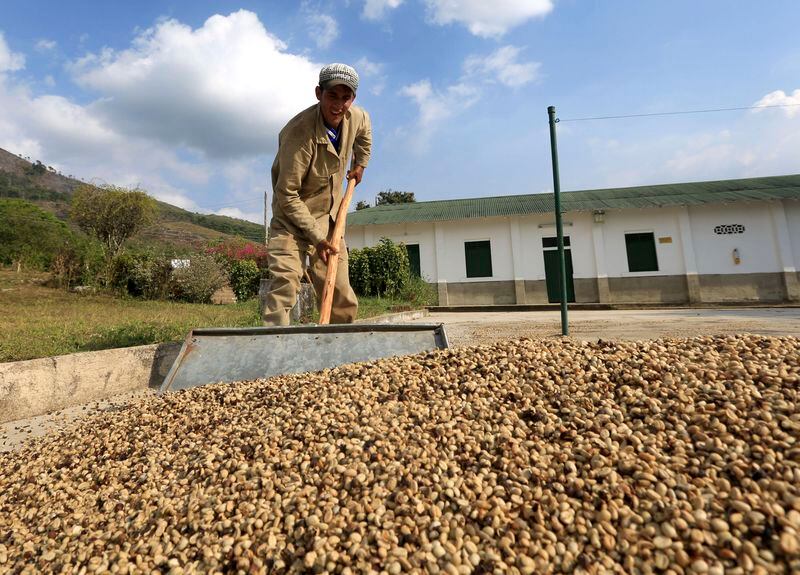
{"points": [[333, 261]]}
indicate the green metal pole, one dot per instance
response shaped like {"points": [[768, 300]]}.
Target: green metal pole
{"points": [[562, 266]]}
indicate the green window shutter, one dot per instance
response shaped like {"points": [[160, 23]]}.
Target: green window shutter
{"points": [[413, 259], [478, 256], [641, 250]]}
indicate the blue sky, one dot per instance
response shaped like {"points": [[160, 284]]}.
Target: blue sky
{"points": [[185, 98]]}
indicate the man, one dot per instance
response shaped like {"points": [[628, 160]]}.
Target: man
{"points": [[314, 149]]}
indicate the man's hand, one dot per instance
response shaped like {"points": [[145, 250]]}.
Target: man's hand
{"points": [[325, 250], [356, 173]]}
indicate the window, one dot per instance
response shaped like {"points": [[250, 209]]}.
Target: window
{"points": [[479, 259], [413, 259], [641, 250], [553, 242]]}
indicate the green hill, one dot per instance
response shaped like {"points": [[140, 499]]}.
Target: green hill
{"points": [[42, 185]]}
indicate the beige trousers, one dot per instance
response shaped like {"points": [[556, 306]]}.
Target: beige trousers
{"points": [[286, 257]]}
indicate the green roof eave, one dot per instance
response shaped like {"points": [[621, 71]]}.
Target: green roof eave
{"points": [[662, 195]]}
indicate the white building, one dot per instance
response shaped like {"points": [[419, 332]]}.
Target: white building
{"points": [[723, 241]]}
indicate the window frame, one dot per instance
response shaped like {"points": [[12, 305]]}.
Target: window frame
{"points": [[654, 245], [488, 242]]}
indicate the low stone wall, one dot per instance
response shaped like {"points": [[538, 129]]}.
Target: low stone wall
{"points": [[535, 292], [39, 386], [742, 287], [586, 290], [655, 289], [481, 293], [648, 289]]}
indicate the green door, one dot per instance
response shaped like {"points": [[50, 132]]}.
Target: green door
{"points": [[413, 259], [552, 276]]}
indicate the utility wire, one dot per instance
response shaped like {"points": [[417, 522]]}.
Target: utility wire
{"points": [[237, 203], [676, 113]]}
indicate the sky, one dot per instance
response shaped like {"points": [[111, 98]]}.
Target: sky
{"points": [[185, 98]]}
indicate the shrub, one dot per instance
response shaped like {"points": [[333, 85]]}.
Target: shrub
{"points": [[94, 269], [197, 282], [141, 275], [239, 250], [419, 293], [358, 271], [120, 270], [382, 270], [244, 277], [67, 267]]}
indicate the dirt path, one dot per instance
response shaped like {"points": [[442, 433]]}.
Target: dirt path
{"points": [[472, 328]]}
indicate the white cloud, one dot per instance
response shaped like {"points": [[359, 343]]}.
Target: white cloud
{"points": [[45, 45], [436, 107], [503, 66], [323, 29], [9, 61], [703, 152], [180, 109], [750, 147], [256, 217], [374, 72], [376, 9], [487, 19], [82, 141], [177, 199], [781, 98], [224, 89]]}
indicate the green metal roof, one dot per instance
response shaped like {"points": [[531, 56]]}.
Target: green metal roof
{"points": [[693, 193]]}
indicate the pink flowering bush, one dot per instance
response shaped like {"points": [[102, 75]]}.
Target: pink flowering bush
{"points": [[245, 263], [238, 250]]}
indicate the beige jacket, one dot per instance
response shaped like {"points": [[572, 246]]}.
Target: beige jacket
{"points": [[308, 174]]}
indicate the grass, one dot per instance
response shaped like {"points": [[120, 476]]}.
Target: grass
{"points": [[39, 321]]}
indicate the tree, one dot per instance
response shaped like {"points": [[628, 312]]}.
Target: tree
{"points": [[361, 205], [112, 214], [29, 235], [36, 169], [391, 196]]}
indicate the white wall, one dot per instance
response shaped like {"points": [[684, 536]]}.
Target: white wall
{"points": [[411, 233], [663, 222], [354, 237], [713, 252], [453, 267], [577, 226], [792, 209], [757, 248]]}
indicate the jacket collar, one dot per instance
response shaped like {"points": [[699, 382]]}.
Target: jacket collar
{"points": [[322, 131]]}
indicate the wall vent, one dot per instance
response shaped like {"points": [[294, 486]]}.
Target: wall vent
{"points": [[729, 229]]}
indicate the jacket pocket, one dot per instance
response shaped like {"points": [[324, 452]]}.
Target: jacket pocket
{"points": [[320, 174], [283, 241]]}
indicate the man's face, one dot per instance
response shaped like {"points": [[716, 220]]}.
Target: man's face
{"points": [[334, 102]]}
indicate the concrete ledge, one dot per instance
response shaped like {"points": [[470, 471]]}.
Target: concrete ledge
{"points": [[398, 317], [607, 306], [38, 386]]}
